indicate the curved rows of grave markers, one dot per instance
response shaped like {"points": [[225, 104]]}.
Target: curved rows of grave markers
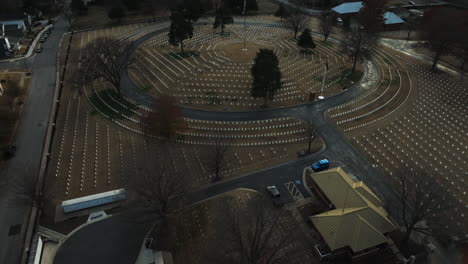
{"points": [[412, 118], [211, 78], [92, 153]]}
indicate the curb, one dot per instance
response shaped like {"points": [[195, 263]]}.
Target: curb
{"points": [[34, 215]]}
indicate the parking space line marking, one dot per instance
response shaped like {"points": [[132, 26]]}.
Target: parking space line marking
{"points": [[294, 191]]}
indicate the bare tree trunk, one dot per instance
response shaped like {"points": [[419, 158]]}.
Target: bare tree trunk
{"points": [[117, 87], [407, 236], [437, 57], [434, 63], [356, 54]]}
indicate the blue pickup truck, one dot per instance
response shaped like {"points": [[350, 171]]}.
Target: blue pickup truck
{"points": [[320, 165]]}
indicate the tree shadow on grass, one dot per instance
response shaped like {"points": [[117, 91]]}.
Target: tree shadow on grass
{"points": [[106, 101]]}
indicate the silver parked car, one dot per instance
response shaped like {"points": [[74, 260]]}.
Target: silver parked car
{"points": [[273, 191]]}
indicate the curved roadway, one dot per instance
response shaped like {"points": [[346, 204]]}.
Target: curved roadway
{"points": [[98, 243]]}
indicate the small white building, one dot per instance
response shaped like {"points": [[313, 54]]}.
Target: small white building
{"points": [[5, 48], [18, 24]]}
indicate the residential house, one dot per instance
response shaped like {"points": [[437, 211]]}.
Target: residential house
{"points": [[357, 224]]}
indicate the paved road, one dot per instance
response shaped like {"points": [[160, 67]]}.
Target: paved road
{"points": [[338, 149], [29, 139]]}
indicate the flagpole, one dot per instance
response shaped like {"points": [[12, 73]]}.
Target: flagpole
{"points": [[323, 79]]}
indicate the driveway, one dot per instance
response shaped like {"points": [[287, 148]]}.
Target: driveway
{"points": [[29, 141]]}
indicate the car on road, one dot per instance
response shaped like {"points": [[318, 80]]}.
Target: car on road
{"points": [[411, 3], [43, 40], [39, 50], [339, 20], [273, 191], [320, 165]]}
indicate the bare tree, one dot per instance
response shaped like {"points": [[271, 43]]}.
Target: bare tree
{"points": [[418, 196], [215, 159], [164, 121], [159, 186], [358, 44], [67, 12], [326, 24], [311, 134], [441, 33], [298, 20], [108, 58], [261, 234]]}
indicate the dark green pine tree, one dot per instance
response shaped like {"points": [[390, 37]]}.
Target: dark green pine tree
{"points": [[223, 18], [305, 40], [180, 30], [282, 12], [266, 75]]}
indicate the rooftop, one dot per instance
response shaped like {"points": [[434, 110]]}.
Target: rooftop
{"points": [[359, 220], [354, 7]]}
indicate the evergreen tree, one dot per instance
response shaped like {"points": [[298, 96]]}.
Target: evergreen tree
{"points": [[282, 12], [181, 29], [266, 75], [223, 18], [305, 40]]}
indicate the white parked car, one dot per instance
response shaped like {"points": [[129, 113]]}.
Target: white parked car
{"points": [[273, 191]]}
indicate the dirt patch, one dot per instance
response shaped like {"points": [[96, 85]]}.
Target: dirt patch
{"points": [[236, 53]]}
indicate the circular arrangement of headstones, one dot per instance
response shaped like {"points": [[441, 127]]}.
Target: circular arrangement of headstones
{"points": [[214, 69]]}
